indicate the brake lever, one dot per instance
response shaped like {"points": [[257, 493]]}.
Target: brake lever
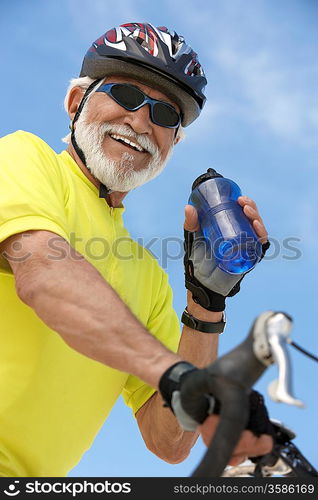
{"points": [[271, 335]]}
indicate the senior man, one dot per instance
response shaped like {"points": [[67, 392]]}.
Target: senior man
{"points": [[77, 330]]}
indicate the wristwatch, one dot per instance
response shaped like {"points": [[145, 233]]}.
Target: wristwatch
{"points": [[203, 326]]}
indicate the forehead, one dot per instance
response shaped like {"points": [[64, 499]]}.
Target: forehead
{"points": [[150, 91]]}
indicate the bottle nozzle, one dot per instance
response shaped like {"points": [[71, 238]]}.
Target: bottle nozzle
{"points": [[210, 174]]}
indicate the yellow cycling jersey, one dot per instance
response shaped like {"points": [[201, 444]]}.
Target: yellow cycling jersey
{"points": [[53, 400]]}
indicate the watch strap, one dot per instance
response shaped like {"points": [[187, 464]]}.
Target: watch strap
{"points": [[202, 326]]}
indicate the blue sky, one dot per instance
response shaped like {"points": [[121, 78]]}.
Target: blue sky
{"points": [[259, 127]]}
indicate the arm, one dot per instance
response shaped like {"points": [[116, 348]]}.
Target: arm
{"points": [[159, 427], [73, 299]]}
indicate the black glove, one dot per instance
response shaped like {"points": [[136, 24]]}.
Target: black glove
{"points": [[202, 404], [259, 422], [197, 256], [170, 386]]}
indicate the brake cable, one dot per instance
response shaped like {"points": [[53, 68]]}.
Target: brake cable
{"points": [[301, 349]]}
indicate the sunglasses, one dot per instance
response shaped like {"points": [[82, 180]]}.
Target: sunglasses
{"points": [[132, 98]]}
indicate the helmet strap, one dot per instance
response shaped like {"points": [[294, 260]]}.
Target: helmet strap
{"points": [[103, 190]]}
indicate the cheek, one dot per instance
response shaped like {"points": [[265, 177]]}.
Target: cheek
{"points": [[104, 110], [165, 141]]}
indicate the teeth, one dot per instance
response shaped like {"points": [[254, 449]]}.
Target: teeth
{"points": [[127, 141]]}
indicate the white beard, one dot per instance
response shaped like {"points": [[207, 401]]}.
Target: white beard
{"points": [[116, 175]]}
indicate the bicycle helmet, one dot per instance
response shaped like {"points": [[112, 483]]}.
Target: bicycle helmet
{"points": [[157, 57]]}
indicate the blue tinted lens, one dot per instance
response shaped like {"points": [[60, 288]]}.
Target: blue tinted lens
{"points": [[131, 98], [165, 114], [128, 97]]}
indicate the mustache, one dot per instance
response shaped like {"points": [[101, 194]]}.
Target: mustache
{"points": [[125, 130]]}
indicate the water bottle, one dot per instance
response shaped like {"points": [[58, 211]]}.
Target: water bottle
{"points": [[227, 231]]}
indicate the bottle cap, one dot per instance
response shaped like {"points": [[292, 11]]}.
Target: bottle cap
{"points": [[210, 174]]}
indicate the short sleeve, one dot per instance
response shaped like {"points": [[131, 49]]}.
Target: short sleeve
{"points": [[31, 188], [164, 324]]}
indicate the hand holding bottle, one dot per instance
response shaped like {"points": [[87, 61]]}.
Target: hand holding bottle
{"points": [[191, 220], [251, 211], [208, 277]]}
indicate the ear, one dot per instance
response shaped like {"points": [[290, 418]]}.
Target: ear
{"points": [[179, 135], [75, 97]]}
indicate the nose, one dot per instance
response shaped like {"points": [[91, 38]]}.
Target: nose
{"points": [[140, 120]]}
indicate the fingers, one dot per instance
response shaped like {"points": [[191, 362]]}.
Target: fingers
{"points": [[243, 200], [208, 428], [251, 211], [248, 445], [239, 459], [191, 222]]}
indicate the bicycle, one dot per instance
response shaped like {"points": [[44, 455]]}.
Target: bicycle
{"points": [[230, 379]]}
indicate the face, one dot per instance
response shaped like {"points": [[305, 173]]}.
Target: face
{"points": [[104, 125]]}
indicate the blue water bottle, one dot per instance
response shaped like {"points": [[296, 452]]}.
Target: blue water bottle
{"points": [[228, 232]]}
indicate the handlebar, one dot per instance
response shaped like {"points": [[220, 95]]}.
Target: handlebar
{"points": [[230, 380]]}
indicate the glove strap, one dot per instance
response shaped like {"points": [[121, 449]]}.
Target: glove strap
{"points": [[212, 301], [170, 380]]}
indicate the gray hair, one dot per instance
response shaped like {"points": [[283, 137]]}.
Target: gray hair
{"points": [[84, 82]]}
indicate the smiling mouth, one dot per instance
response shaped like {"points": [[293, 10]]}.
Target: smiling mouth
{"points": [[127, 142]]}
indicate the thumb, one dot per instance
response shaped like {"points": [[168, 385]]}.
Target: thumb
{"points": [[191, 222]]}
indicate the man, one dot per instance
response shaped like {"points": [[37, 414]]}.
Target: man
{"points": [[80, 326]]}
